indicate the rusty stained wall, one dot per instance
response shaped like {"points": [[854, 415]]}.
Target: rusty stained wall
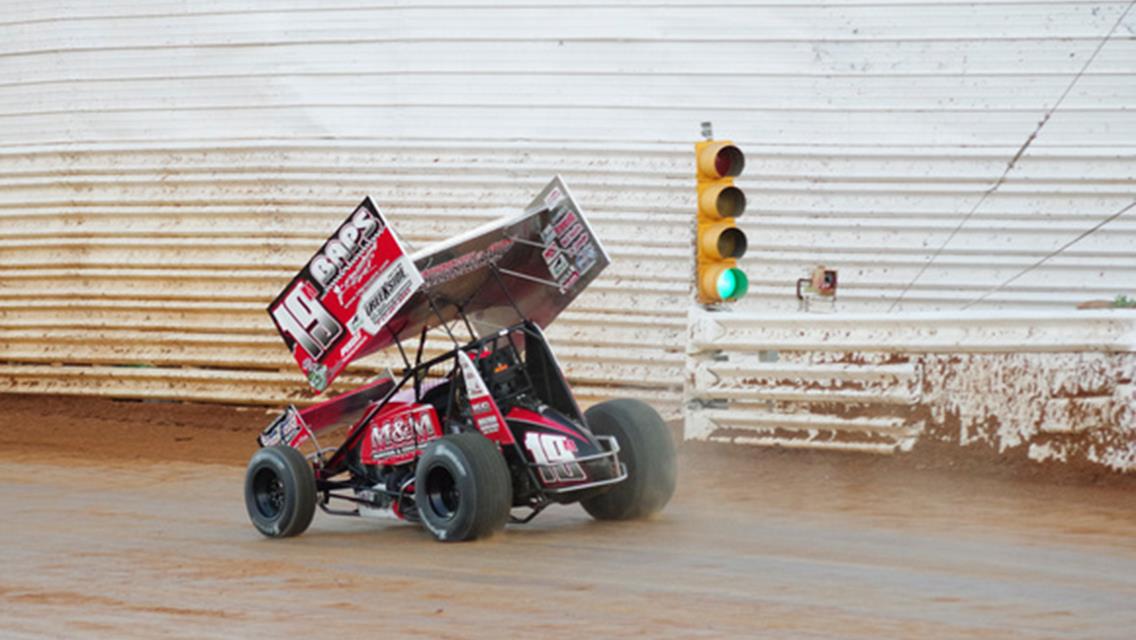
{"points": [[1051, 406], [1058, 388]]}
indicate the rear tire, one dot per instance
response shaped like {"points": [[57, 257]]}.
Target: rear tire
{"points": [[648, 450], [280, 491], [462, 488]]}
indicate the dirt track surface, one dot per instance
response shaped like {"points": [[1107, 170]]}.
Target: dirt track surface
{"points": [[126, 520]]}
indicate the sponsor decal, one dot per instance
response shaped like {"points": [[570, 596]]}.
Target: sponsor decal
{"points": [[558, 266], [570, 251], [302, 318], [569, 236], [556, 455], [586, 258], [563, 222], [288, 428], [386, 295], [342, 248], [486, 416], [554, 196], [548, 235], [571, 280], [317, 375], [466, 263], [340, 301], [398, 437], [474, 385], [579, 245], [488, 424]]}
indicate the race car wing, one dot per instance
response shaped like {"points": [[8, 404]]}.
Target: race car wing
{"points": [[361, 292], [531, 266]]}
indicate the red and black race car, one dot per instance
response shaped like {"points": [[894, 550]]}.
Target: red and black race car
{"points": [[462, 439]]}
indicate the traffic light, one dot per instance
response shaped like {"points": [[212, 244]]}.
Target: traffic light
{"points": [[719, 242]]}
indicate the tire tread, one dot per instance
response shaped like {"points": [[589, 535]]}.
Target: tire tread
{"points": [[299, 481], [646, 446], [493, 486]]}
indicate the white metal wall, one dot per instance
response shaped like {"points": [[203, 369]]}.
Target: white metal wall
{"points": [[165, 166], [1058, 387]]}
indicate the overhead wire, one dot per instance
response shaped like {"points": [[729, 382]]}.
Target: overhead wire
{"points": [[1084, 234], [1013, 160]]}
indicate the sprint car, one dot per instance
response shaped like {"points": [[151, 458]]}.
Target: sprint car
{"points": [[469, 436]]}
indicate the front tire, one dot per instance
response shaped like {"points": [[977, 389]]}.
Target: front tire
{"points": [[462, 488], [280, 491], [646, 447]]}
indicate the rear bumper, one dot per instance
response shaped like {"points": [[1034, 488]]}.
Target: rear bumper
{"points": [[600, 469]]}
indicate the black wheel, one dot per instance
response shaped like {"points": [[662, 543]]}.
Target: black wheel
{"points": [[646, 447], [462, 488], [280, 491]]}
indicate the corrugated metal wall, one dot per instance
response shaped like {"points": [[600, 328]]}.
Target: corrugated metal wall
{"points": [[166, 166], [1059, 382]]}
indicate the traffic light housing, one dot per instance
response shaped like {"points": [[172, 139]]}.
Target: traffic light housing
{"points": [[719, 242]]}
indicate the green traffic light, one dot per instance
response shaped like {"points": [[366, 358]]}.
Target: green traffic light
{"points": [[732, 284]]}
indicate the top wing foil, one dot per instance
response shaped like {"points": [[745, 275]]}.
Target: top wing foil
{"points": [[530, 266]]}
